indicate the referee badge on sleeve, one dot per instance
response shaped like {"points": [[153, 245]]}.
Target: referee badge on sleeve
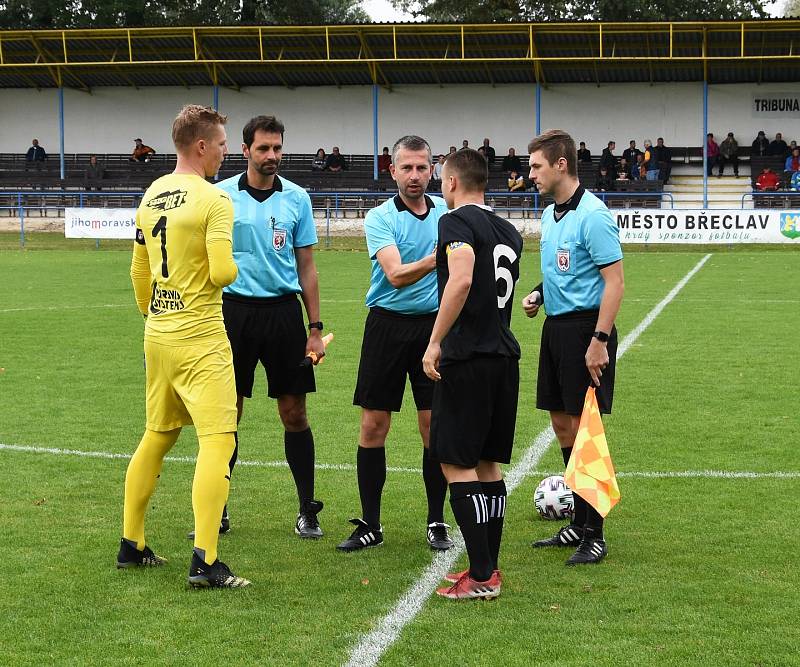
{"points": [[562, 260], [278, 238]]}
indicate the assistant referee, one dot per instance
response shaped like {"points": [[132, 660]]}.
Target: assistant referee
{"points": [[581, 291]]}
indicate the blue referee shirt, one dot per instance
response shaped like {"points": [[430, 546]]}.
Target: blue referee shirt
{"points": [[573, 248], [392, 223], [267, 227]]}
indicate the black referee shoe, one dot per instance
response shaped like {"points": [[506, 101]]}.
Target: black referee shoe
{"points": [[130, 556], [568, 536], [438, 537], [591, 550], [307, 524], [362, 537], [216, 575]]}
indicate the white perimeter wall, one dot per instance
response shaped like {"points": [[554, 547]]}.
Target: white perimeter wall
{"points": [[108, 119]]}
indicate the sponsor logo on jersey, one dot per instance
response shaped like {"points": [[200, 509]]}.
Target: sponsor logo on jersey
{"points": [[278, 238], [165, 300], [790, 224], [139, 237], [167, 200], [562, 260]]}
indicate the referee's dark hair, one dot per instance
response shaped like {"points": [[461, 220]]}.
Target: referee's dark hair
{"points": [[263, 123], [410, 142], [556, 144], [470, 167]]}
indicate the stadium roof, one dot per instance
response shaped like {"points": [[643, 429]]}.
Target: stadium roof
{"points": [[408, 53]]}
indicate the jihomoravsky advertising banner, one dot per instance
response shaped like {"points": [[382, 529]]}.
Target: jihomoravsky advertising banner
{"points": [[707, 225], [100, 223]]}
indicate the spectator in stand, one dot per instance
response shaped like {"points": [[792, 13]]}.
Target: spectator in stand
{"points": [[141, 152], [792, 164], [95, 172], [649, 161], [624, 170], [36, 155], [437, 169], [664, 160], [729, 152], [794, 182], [516, 182], [778, 147], [384, 161], [792, 145], [631, 152], [511, 162], [712, 152], [465, 144], [768, 181], [638, 171], [584, 154], [608, 160], [604, 182], [489, 152], [318, 163], [452, 150], [336, 161], [760, 145]]}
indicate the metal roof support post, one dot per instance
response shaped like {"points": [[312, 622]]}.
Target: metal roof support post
{"points": [[216, 97], [375, 131], [538, 108], [61, 129], [705, 144]]}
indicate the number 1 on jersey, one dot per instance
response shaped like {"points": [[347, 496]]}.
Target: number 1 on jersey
{"points": [[161, 228]]}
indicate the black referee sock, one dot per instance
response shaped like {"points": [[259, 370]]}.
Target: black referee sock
{"points": [[435, 487], [578, 503], [299, 448], [495, 493], [469, 509], [371, 470]]}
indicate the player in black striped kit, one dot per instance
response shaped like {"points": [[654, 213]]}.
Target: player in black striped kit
{"points": [[474, 359]]}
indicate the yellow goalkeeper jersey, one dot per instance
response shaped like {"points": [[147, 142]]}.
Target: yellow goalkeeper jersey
{"points": [[182, 258]]}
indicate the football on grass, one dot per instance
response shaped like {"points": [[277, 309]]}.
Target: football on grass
{"points": [[553, 498]]}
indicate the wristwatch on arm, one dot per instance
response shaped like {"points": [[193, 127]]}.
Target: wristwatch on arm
{"points": [[602, 336], [315, 325]]}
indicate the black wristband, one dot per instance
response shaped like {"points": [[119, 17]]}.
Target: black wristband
{"points": [[315, 325]]}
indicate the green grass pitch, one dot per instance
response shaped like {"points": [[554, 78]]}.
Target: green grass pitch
{"points": [[700, 570]]}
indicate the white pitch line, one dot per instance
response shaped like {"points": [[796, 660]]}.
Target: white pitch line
{"points": [[30, 449], [347, 467], [371, 647], [130, 305]]}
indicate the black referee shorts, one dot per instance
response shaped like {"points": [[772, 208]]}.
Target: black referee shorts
{"points": [[273, 332], [563, 377], [392, 349], [475, 411]]}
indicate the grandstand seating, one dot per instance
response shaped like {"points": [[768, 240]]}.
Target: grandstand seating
{"points": [[124, 176]]}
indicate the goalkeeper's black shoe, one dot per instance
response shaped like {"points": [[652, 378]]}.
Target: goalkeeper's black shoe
{"points": [[591, 550], [362, 537], [224, 524], [568, 536], [216, 575], [130, 556], [307, 524]]}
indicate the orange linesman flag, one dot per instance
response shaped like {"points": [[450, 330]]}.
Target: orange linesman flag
{"points": [[590, 472]]}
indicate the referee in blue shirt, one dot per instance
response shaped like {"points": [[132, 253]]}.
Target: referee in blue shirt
{"points": [[402, 301], [581, 290], [273, 239]]}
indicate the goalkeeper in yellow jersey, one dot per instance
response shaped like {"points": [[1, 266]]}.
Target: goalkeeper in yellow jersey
{"points": [[182, 258]]}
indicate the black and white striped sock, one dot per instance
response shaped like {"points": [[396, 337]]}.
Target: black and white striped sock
{"points": [[472, 515], [495, 494]]}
